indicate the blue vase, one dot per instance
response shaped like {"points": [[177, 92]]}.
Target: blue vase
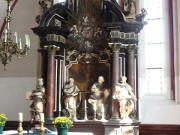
{"points": [[1, 129], [62, 131]]}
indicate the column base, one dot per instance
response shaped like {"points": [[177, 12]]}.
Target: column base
{"points": [[115, 119], [47, 118]]}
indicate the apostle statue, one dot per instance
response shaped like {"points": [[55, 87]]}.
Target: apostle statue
{"points": [[72, 97], [38, 97], [123, 92], [99, 95]]}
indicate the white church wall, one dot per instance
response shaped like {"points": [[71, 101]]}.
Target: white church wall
{"points": [[159, 109], [13, 96], [21, 74]]}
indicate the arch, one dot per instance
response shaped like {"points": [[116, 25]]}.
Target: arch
{"points": [[115, 10], [56, 10]]}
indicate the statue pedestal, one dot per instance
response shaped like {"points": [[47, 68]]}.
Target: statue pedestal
{"points": [[117, 128]]}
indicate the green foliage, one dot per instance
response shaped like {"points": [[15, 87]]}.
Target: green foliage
{"points": [[3, 119], [62, 122]]}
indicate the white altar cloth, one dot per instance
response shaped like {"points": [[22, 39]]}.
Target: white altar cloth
{"points": [[14, 132]]}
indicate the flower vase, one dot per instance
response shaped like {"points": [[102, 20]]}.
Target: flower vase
{"points": [[1, 129], [62, 131]]}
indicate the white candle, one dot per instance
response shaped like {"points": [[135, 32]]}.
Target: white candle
{"points": [[29, 42], [20, 44], [67, 106], [60, 107], [5, 35], [20, 116], [42, 117], [27, 39], [94, 106], [102, 107], [85, 104], [16, 39]]}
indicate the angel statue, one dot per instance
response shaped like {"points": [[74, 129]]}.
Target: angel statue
{"points": [[72, 97], [123, 92], [38, 104]]}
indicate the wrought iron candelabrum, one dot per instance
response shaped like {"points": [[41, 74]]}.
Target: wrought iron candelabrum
{"points": [[9, 45]]}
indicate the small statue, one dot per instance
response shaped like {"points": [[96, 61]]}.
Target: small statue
{"points": [[129, 6], [140, 17], [123, 92], [72, 97], [99, 95], [38, 97], [132, 7]]}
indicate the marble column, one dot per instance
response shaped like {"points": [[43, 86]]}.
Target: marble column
{"points": [[131, 49], [50, 93], [115, 78]]}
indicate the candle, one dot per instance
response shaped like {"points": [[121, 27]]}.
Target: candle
{"points": [[20, 44], [27, 39], [20, 116], [85, 104], [102, 107], [29, 42], [60, 107], [67, 106], [5, 35], [94, 106], [42, 117], [16, 39]]}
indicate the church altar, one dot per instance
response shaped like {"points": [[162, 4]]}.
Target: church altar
{"points": [[88, 50]]}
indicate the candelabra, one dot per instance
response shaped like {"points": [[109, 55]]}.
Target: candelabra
{"points": [[9, 45], [85, 111], [95, 111], [20, 128], [41, 129], [103, 113]]}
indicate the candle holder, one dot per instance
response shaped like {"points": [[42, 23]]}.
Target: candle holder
{"points": [[103, 113], [75, 118], [9, 47], [20, 128], [85, 113], [103, 116], [41, 129], [95, 115]]}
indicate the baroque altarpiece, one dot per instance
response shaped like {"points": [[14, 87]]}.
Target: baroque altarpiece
{"points": [[85, 40]]}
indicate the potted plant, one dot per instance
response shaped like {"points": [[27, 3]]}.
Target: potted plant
{"points": [[3, 120], [62, 124]]}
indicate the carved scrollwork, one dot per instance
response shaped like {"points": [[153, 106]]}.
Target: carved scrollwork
{"points": [[45, 5]]}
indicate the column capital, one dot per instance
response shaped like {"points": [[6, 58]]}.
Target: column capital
{"points": [[52, 49], [132, 48], [115, 46]]}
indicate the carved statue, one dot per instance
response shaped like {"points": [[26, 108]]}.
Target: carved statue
{"points": [[99, 95], [129, 5], [38, 97], [123, 92], [45, 4], [132, 7], [140, 17], [72, 97]]}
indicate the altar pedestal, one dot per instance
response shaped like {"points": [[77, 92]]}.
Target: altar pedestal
{"points": [[112, 128]]}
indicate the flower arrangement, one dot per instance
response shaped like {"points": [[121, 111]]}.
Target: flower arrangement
{"points": [[62, 122], [3, 119]]}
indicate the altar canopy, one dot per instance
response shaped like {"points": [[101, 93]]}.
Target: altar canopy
{"points": [[94, 42]]}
